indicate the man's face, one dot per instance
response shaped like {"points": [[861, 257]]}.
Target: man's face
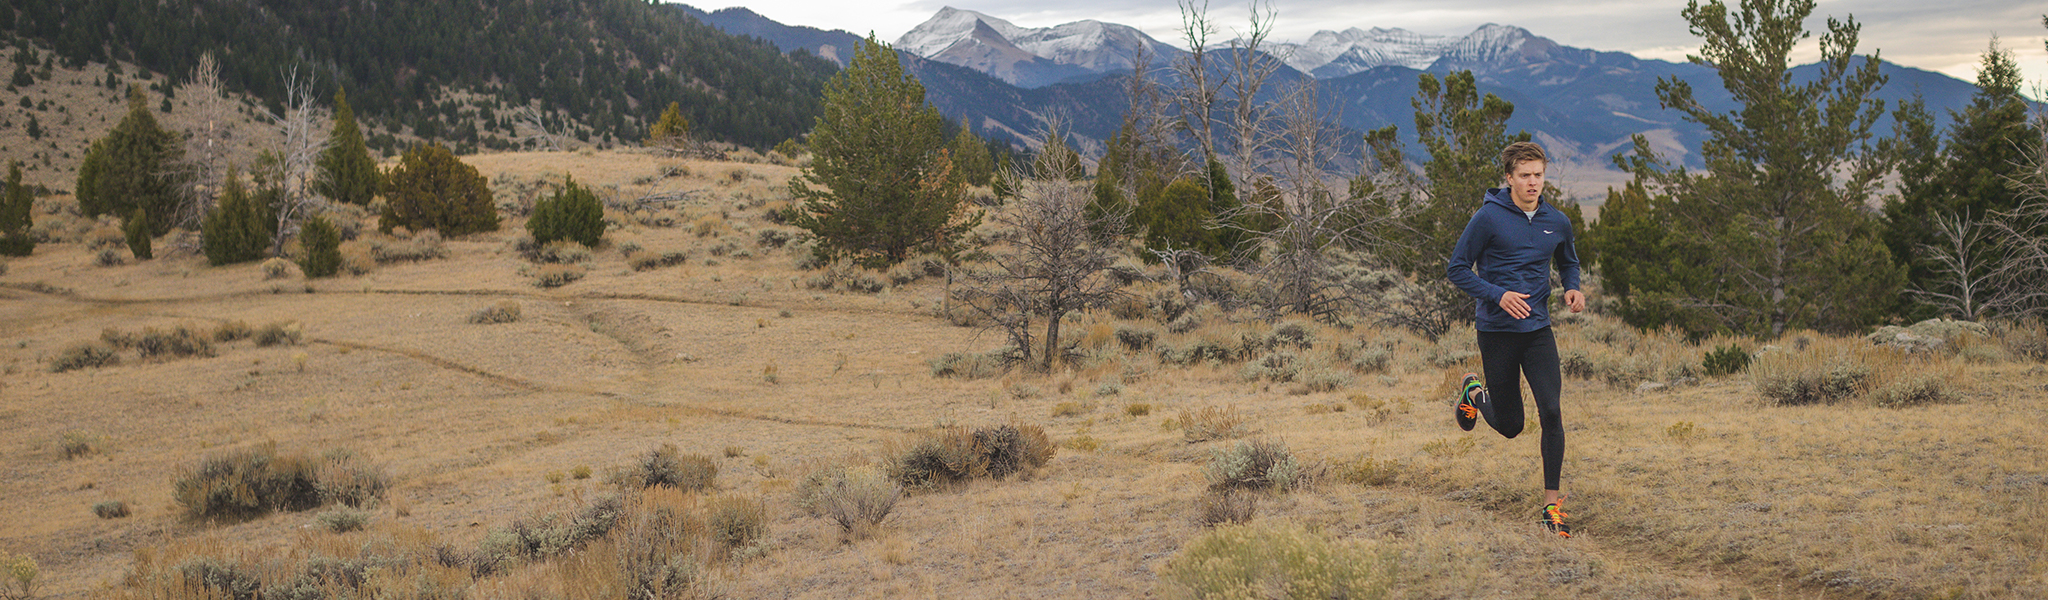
{"points": [[1527, 181]]}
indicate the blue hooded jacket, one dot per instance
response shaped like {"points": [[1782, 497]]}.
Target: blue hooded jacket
{"points": [[1512, 251]]}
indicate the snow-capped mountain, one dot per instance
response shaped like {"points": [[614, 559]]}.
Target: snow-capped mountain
{"points": [[1029, 57], [1330, 54]]}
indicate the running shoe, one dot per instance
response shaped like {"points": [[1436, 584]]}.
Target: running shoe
{"points": [[1468, 415], [1553, 517]]}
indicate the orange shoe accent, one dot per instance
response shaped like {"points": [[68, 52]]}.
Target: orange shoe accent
{"points": [[1556, 516], [1471, 412]]}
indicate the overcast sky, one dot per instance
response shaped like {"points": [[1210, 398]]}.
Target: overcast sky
{"points": [[1949, 37]]}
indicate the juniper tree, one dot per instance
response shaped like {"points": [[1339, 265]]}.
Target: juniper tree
{"points": [[133, 167], [572, 213], [16, 215], [431, 189], [1774, 231], [879, 187], [322, 248], [346, 171], [234, 230]]}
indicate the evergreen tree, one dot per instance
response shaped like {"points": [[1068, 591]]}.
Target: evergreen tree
{"points": [[234, 230], [879, 187], [1464, 134], [346, 171], [136, 230], [132, 167], [1773, 234], [16, 215], [572, 213], [1177, 216], [1967, 178], [431, 189], [971, 161], [322, 246]]}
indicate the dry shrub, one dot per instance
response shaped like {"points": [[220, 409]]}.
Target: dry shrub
{"points": [[109, 257], [505, 311], [857, 498], [1365, 356], [1275, 560], [342, 520], [88, 355], [279, 333], [1071, 409], [1256, 465], [548, 534], [667, 466], [1291, 334], [1138, 409], [387, 563], [1367, 470], [964, 365], [1916, 390], [561, 252], [111, 509], [1136, 339], [1316, 378], [735, 522], [953, 455], [233, 331], [555, 275], [425, 245], [647, 261], [1211, 423], [1230, 506], [275, 268], [106, 234], [2027, 340], [356, 258], [1831, 370], [253, 481], [179, 342], [1279, 367], [75, 444]]}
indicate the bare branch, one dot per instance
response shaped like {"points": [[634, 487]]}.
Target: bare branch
{"points": [[302, 141], [1049, 258]]}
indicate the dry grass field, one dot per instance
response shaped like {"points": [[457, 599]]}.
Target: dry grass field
{"points": [[1702, 489]]}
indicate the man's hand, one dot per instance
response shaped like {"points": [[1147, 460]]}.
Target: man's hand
{"points": [[1511, 301], [1575, 299]]}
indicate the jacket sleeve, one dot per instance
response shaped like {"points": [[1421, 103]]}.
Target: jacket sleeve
{"points": [[1567, 257], [1471, 245]]}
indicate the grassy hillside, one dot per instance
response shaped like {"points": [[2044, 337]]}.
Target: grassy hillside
{"points": [[776, 375]]}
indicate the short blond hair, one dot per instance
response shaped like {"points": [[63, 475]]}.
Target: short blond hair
{"points": [[1518, 153]]}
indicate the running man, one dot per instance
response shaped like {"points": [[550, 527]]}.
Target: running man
{"points": [[1511, 242]]}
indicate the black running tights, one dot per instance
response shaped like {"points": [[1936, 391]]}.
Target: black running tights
{"points": [[1532, 355]]}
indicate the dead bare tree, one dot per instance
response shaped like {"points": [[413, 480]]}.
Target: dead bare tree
{"points": [[2021, 277], [531, 125], [1313, 221], [302, 141], [1963, 283], [207, 142], [1196, 96], [1253, 128], [1049, 257]]}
